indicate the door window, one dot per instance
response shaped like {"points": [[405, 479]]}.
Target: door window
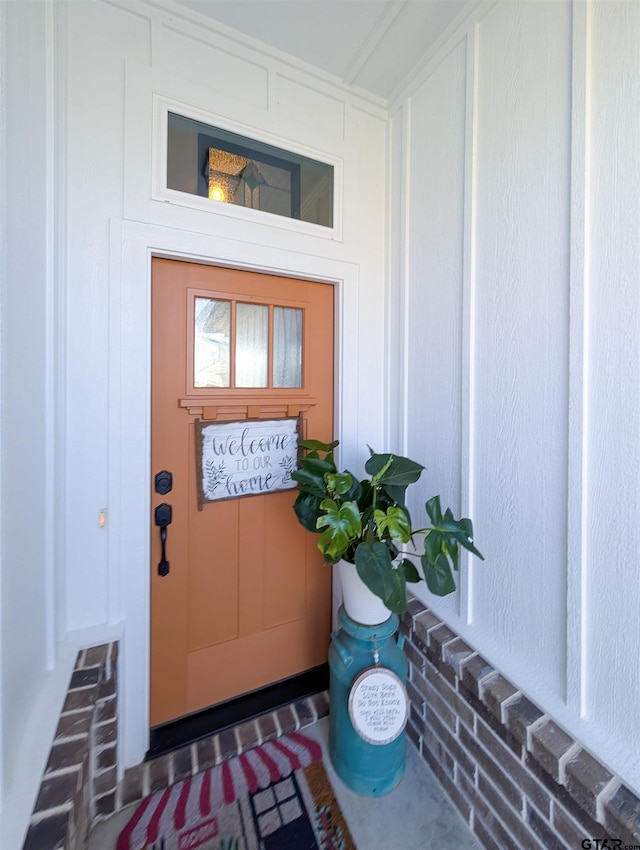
{"points": [[211, 351], [237, 344]]}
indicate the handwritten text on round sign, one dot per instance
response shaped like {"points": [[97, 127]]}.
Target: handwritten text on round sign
{"points": [[378, 705]]}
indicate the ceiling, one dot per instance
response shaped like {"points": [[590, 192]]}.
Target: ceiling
{"points": [[371, 44]]}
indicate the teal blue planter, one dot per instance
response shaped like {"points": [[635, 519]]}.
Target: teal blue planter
{"points": [[369, 769]]}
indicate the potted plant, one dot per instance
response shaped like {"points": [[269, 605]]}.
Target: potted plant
{"points": [[363, 525]]}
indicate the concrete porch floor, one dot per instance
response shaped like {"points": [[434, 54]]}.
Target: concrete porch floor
{"points": [[414, 816]]}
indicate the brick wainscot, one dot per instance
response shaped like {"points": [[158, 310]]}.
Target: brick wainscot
{"points": [[80, 778], [519, 781]]}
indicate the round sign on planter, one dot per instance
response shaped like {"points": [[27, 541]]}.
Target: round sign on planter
{"points": [[378, 705]]}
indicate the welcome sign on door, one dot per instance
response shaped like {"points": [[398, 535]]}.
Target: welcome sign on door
{"points": [[246, 458]]}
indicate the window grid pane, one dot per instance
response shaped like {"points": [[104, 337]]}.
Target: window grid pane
{"points": [[252, 345], [287, 347], [212, 320]]}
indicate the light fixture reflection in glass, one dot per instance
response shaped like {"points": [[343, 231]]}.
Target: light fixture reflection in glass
{"points": [[225, 173], [216, 192]]}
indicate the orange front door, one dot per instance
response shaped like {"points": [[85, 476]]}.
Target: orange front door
{"points": [[245, 600]]}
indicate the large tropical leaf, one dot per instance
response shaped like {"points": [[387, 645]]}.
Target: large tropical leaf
{"points": [[393, 470], [339, 482], [434, 512], [365, 499], [318, 466], [376, 571], [394, 522], [447, 533], [409, 571], [342, 526], [307, 509], [438, 575], [317, 445], [309, 481]]}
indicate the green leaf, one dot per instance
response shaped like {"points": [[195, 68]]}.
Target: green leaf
{"points": [[376, 571], [317, 445], [466, 536], [343, 526], [454, 532], [311, 483], [395, 493], [438, 575], [452, 549], [395, 522], [408, 569], [433, 510], [432, 545], [340, 483], [356, 491], [317, 466], [307, 508], [393, 470]]}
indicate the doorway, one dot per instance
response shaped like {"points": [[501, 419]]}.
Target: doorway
{"points": [[240, 598]]}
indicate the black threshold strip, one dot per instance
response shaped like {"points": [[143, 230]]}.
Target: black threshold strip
{"points": [[178, 733]]}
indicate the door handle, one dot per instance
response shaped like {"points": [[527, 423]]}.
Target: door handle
{"points": [[163, 517]]}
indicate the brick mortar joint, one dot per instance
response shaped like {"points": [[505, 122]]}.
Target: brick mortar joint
{"points": [[109, 745], [571, 753], [45, 814], [482, 681], [427, 630], [532, 728], [505, 704], [527, 827], [296, 716], [605, 795], [62, 771], [69, 739], [99, 773], [77, 688]]}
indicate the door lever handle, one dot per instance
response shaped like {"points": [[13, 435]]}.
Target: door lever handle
{"points": [[163, 517]]}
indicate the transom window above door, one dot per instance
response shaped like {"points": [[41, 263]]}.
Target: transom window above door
{"points": [[234, 170], [238, 344]]}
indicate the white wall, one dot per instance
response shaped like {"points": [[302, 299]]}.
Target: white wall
{"points": [[521, 309], [34, 671]]}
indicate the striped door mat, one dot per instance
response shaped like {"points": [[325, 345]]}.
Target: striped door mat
{"points": [[274, 797]]}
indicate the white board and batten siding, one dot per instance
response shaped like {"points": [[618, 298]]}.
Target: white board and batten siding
{"points": [[519, 261]]}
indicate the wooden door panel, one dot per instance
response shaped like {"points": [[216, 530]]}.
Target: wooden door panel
{"points": [[213, 590], [216, 674], [251, 581], [247, 599], [284, 554]]}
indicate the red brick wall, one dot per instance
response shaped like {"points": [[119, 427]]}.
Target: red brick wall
{"points": [[80, 778], [517, 778]]}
